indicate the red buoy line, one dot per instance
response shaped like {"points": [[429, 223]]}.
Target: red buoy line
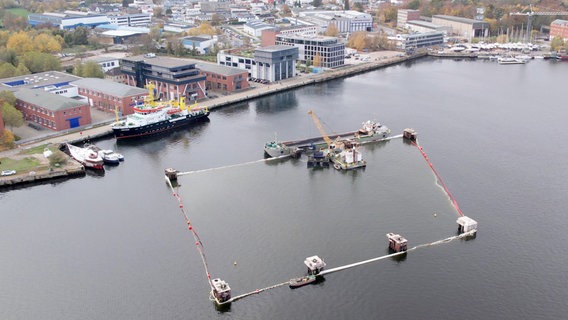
{"points": [[454, 202], [198, 243]]}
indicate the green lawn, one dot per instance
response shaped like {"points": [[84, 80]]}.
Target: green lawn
{"points": [[19, 12]]}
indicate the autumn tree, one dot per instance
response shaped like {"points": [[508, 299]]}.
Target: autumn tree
{"points": [[21, 70], [204, 28], [46, 43], [12, 117], [89, 69], [317, 60], [20, 42], [9, 56], [13, 22], [557, 43], [6, 140], [332, 30], [40, 62], [285, 10], [358, 40], [7, 70]]}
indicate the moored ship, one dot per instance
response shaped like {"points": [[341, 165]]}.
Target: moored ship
{"points": [[152, 117], [85, 156], [370, 131]]}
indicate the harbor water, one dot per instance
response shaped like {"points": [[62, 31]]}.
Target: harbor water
{"points": [[116, 246]]}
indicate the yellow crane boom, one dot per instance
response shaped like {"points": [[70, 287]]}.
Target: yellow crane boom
{"points": [[320, 128]]}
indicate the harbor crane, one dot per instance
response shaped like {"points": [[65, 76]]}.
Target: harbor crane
{"points": [[530, 14], [320, 128], [326, 138]]}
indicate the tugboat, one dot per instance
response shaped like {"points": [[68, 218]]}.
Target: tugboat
{"points": [[152, 117]]}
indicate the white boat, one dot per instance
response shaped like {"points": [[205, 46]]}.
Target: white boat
{"points": [[108, 156], [510, 60], [86, 157]]}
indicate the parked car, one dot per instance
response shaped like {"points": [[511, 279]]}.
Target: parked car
{"points": [[8, 172]]}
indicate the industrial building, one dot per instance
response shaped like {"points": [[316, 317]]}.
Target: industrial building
{"points": [[131, 20], [405, 15], [463, 27], [68, 19]]}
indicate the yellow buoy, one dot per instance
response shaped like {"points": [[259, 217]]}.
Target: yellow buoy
{"points": [[235, 263], [434, 214]]}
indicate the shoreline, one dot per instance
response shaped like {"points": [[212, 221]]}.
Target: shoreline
{"points": [[102, 130]]}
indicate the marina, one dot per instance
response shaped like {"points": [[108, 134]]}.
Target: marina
{"points": [[130, 255]]}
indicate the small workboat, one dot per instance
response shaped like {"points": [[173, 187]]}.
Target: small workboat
{"points": [[302, 281]]}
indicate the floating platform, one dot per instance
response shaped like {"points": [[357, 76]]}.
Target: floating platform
{"points": [[466, 224], [397, 243], [221, 290], [315, 265]]}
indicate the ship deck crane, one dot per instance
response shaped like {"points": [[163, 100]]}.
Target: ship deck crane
{"points": [[530, 14], [326, 138]]}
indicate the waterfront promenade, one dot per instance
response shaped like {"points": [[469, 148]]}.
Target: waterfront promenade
{"points": [[101, 126]]}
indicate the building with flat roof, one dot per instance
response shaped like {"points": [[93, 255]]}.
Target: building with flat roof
{"points": [[275, 63], [272, 63], [329, 51], [131, 20], [463, 27], [346, 21], [559, 28], [52, 111], [420, 40], [254, 28], [202, 44], [405, 15], [109, 96], [48, 81], [420, 26], [172, 77], [223, 78], [68, 19], [268, 36]]}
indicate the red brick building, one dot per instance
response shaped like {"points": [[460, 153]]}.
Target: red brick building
{"points": [[559, 28], [109, 96], [52, 111], [222, 78]]}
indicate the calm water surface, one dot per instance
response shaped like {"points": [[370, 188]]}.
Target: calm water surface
{"points": [[116, 246]]}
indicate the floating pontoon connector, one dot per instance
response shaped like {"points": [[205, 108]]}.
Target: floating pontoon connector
{"points": [[409, 134], [315, 264], [397, 242], [221, 290], [171, 173], [466, 224]]}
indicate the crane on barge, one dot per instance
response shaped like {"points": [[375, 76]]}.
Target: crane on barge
{"points": [[330, 144]]}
